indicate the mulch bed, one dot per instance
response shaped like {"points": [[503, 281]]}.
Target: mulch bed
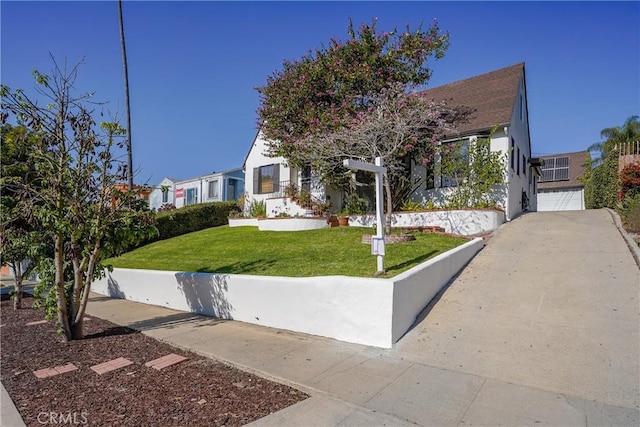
{"points": [[196, 392]]}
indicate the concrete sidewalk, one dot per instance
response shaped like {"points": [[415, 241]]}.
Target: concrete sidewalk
{"points": [[9, 415], [541, 328]]}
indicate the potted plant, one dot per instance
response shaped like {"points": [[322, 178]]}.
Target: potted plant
{"points": [[258, 209], [291, 191], [343, 218], [304, 199], [354, 206], [321, 208]]}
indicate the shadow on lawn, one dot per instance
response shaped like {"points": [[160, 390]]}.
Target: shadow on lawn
{"points": [[416, 260], [251, 267]]}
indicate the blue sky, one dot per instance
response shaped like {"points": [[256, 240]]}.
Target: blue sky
{"points": [[193, 66]]}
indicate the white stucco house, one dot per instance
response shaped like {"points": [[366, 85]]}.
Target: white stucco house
{"points": [[215, 187], [498, 98], [163, 193], [560, 188]]}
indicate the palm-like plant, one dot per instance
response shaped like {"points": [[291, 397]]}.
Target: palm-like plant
{"points": [[601, 177], [628, 132]]}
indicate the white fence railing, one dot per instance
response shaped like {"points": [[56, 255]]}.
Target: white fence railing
{"points": [[629, 148]]}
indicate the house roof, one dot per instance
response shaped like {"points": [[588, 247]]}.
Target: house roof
{"points": [[199, 177], [492, 96], [576, 169]]}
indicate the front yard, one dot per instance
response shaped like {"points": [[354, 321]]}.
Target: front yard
{"points": [[246, 250]]}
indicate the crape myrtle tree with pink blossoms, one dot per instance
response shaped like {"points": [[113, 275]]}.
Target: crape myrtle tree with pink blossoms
{"points": [[396, 127], [351, 99]]}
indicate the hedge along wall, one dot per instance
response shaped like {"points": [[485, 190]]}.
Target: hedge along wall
{"points": [[192, 218]]}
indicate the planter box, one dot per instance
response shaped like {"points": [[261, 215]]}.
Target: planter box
{"points": [[463, 222], [369, 311], [243, 222], [292, 224]]}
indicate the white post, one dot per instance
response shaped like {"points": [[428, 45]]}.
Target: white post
{"points": [[377, 242]]}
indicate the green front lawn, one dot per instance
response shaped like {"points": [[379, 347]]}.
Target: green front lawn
{"points": [[246, 250]]}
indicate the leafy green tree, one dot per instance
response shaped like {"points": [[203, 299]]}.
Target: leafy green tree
{"points": [[587, 179], [475, 172], [602, 183], [81, 211], [19, 239], [326, 89]]}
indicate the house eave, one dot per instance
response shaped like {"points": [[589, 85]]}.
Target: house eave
{"points": [[484, 132]]}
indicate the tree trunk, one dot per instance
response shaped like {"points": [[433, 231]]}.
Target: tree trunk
{"points": [[17, 278], [63, 317], [126, 99], [77, 330], [82, 307]]}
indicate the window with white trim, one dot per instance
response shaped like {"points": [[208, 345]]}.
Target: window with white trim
{"points": [[513, 153], [191, 196], [213, 190], [457, 164], [266, 179]]}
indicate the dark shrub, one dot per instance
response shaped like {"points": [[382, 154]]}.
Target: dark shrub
{"points": [[192, 218]]}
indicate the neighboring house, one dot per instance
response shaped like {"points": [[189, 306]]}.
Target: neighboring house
{"points": [[163, 194], [499, 99], [215, 187], [559, 188]]}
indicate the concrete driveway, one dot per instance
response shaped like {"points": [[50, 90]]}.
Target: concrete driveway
{"points": [[552, 302]]}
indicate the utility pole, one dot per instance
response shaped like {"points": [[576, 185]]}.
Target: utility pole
{"points": [[126, 100]]}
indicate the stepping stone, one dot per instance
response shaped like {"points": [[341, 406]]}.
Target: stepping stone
{"points": [[39, 322], [49, 372], [164, 361], [111, 365]]}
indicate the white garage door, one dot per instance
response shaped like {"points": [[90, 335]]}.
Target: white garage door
{"points": [[561, 200]]}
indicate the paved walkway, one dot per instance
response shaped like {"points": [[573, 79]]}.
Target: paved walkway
{"points": [[9, 415], [542, 327]]}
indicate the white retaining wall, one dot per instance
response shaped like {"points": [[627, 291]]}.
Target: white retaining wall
{"points": [[281, 224], [291, 224], [367, 311], [461, 222], [285, 205], [243, 222]]}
